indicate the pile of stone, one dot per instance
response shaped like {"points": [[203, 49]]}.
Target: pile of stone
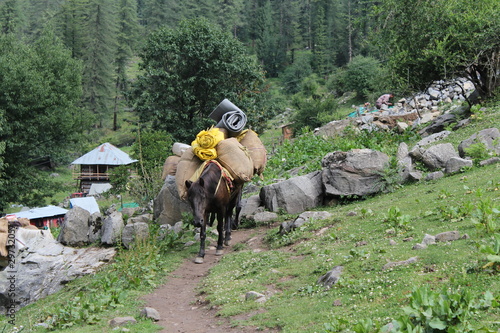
{"points": [[440, 98]]}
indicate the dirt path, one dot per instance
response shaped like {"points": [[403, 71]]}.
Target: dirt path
{"points": [[181, 309]]}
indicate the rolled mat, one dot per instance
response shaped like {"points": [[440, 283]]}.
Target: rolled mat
{"points": [[233, 121]]}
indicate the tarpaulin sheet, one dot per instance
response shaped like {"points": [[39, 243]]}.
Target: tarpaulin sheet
{"points": [[233, 121]]}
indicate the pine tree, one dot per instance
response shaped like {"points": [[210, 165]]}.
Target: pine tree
{"points": [[127, 39], [11, 18], [98, 57]]}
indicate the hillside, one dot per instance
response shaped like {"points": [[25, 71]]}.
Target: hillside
{"points": [[362, 236]]}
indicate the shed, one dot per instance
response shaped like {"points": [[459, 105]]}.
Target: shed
{"points": [[50, 216], [96, 165]]}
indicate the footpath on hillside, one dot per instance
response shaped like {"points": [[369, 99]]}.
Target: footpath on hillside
{"points": [[182, 309]]}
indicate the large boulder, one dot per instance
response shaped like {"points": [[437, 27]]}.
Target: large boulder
{"points": [[439, 124], [42, 266], [168, 207], [488, 137], [112, 228], [251, 206], [356, 172], [75, 228], [294, 195], [435, 157], [133, 232], [334, 128]]}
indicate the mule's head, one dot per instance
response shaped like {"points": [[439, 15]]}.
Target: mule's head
{"points": [[197, 198]]}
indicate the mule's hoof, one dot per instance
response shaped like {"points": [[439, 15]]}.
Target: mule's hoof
{"points": [[219, 252], [198, 260]]}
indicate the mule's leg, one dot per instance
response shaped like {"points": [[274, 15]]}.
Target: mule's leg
{"points": [[203, 236], [235, 221], [227, 225], [220, 230]]}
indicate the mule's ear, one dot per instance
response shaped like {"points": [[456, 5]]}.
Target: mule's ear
{"points": [[188, 183]]}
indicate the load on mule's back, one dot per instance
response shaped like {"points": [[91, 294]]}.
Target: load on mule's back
{"points": [[211, 173]]}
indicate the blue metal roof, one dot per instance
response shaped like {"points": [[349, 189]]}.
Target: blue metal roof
{"points": [[38, 213]]}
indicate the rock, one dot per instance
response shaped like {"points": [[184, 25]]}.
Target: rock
{"points": [[302, 219], [455, 164], [429, 239], [490, 137], [434, 175], [489, 161], [389, 265], [150, 313], [75, 228], [95, 229], [439, 124], [253, 295], [122, 321], [250, 207], [356, 172], [427, 141], [265, 217], [334, 128], [392, 242], [419, 247], [436, 156], [112, 228], [43, 266], [133, 232], [331, 277], [448, 236], [168, 207], [415, 175], [294, 195], [146, 218]]}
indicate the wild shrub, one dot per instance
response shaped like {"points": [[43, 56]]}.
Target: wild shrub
{"points": [[446, 311], [492, 252]]}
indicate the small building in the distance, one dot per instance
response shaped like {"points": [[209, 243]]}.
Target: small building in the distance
{"points": [[95, 166], [50, 216]]}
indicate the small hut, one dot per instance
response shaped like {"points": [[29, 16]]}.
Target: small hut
{"points": [[50, 216], [96, 165]]}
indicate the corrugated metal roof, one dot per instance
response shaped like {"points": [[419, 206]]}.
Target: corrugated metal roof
{"points": [[87, 203], [38, 213], [105, 154]]}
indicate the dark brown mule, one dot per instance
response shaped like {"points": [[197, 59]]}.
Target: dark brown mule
{"points": [[213, 193]]}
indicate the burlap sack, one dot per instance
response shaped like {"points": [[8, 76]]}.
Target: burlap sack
{"points": [[4, 235], [186, 167], [256, 149], [170, 166], [235, 158], [179, 148], [25, 223]]}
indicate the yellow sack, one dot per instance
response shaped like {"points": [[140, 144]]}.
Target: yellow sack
{"points": [[205, 143], [209, 139], [204, 154]]}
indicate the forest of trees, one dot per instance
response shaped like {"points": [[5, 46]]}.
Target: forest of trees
{"points": [[168, 60]]}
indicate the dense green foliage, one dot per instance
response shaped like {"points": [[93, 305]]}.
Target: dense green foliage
{"points": [[429, 40], [39, 115], [150, 149], [188, 72]]}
